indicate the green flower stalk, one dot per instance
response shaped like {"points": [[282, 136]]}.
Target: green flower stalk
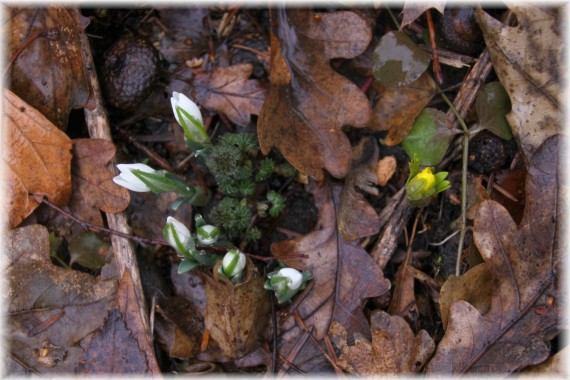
{"points": [[287, 282], [422, 186]]}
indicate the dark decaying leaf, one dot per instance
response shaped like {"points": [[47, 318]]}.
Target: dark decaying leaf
{"points": [[229, 91], [394, 349], [49, 303], [524, 263], [309, 102], [178, 327], [37, 159], [113, 350], [93, 187], [528, 59], [122, 344], [343, 273], [492, 105], [49, 73], [398, 61], [356, 217], [87, 250]]}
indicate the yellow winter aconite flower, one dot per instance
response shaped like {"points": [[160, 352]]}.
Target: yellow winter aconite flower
{"points": [[421, 186]]}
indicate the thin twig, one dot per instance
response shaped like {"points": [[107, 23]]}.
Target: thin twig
{"points": [[42, 199]]}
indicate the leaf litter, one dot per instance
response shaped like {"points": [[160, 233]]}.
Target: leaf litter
{"points": [[306, 116]]}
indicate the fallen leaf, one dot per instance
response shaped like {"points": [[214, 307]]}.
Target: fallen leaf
{"points": [[113, 350], [398, 107], [93, 187], [309, 103], [413, 10], [49, 302], [49, 73], [122, 344], [236, 315], [385, 169], [178, 327], [228, 90], [524, 263], [397, 61], [356, 217], [344, 274], [38, 159], [404, 295], [528, 59], [492, 105], [429, 138], [474, 286], [87, 250], [394, 349]]}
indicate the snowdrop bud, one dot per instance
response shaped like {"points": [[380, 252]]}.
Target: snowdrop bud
{"points": [[177, 235], [233, 263], [127, 179], [207, 234], [189, 117], [293, 276]]}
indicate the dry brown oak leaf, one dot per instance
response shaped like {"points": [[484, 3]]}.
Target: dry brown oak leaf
{"points": [[309, 102], [394, 350], [529, 61], [49, 71], [344, 274], [524, 263], [37, 158], [229, 91], [93, 186]]}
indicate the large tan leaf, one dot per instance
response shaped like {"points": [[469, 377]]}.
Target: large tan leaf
{"points": [[228, 90], [309, 102], [524, 263], [37, 158], [49, 72], [528, 59]]}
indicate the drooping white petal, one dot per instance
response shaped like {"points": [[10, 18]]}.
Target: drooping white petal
{"points": [[182, 101], [294, 277]]}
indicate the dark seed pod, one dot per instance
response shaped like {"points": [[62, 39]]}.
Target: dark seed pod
{"points": [[130, 71], [460, 31], [487, 152]]}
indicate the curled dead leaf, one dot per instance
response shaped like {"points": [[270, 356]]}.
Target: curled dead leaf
{"points": [[236, 315]]}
